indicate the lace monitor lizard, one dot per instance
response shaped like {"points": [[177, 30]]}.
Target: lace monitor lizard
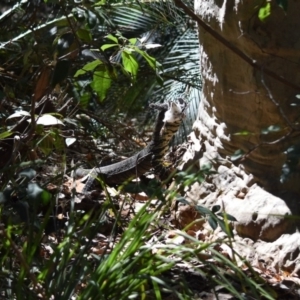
{"points": [[167, 123]]}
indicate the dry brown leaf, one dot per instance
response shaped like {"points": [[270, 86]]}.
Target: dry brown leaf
{"points": [[186, 215], [42, 83]]}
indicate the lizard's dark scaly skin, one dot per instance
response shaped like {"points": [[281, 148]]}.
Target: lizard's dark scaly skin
{"points": [[167, 123]]}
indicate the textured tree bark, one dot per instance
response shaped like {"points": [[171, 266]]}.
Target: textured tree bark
{"points": [[237, 97]]}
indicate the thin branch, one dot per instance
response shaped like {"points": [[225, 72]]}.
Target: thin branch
{"points": [[246, 155], [281, 112]]}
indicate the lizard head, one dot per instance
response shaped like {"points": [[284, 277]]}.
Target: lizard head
{"points": [[175, 112]]}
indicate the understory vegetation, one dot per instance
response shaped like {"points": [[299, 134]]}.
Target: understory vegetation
{"points": [[76, 81]]}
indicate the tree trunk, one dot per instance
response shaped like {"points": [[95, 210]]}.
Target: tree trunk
{"points": [[239, 98]]}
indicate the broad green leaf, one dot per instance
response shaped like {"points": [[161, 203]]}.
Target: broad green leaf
{"points": [[84, 35], [228, 217], [112, 38], [212, 222], [159, 79], [130, 64], [150, 60], [129, 50], [225, 227], [203, 210], [106, 46], [5, 134], [182, 200], [264, 12], [37, 194], [85, 98], [101, 82], [215, 208], [45, 197], [88, 67], [132, 41]]}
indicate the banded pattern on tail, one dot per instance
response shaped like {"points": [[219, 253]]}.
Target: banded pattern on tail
{"points": [[167, 124]]}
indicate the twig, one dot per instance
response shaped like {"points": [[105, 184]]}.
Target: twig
{"points": [[277, 104]]}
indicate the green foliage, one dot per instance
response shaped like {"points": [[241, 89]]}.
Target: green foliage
{"points": [[264, 12], [138, 265], [187, 178], [217, 217], [58, 58], [243, 133]]}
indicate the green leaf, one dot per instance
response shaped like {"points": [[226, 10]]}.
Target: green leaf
{"points": [[5, 134], [225, 227], [130, 64], [229, 217], [264, 12], [88, 67], [99, 3], [84, 35], [37, 194], [84, 99], [132, 41], [106, 46], [215, 208], [212, 222], [101, 82], [150, 60], [243, 132], [112, 38], [45, 197], [203, 210], [182, 200]]}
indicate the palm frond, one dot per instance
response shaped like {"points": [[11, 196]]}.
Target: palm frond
{"points": [[159, 22]]}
